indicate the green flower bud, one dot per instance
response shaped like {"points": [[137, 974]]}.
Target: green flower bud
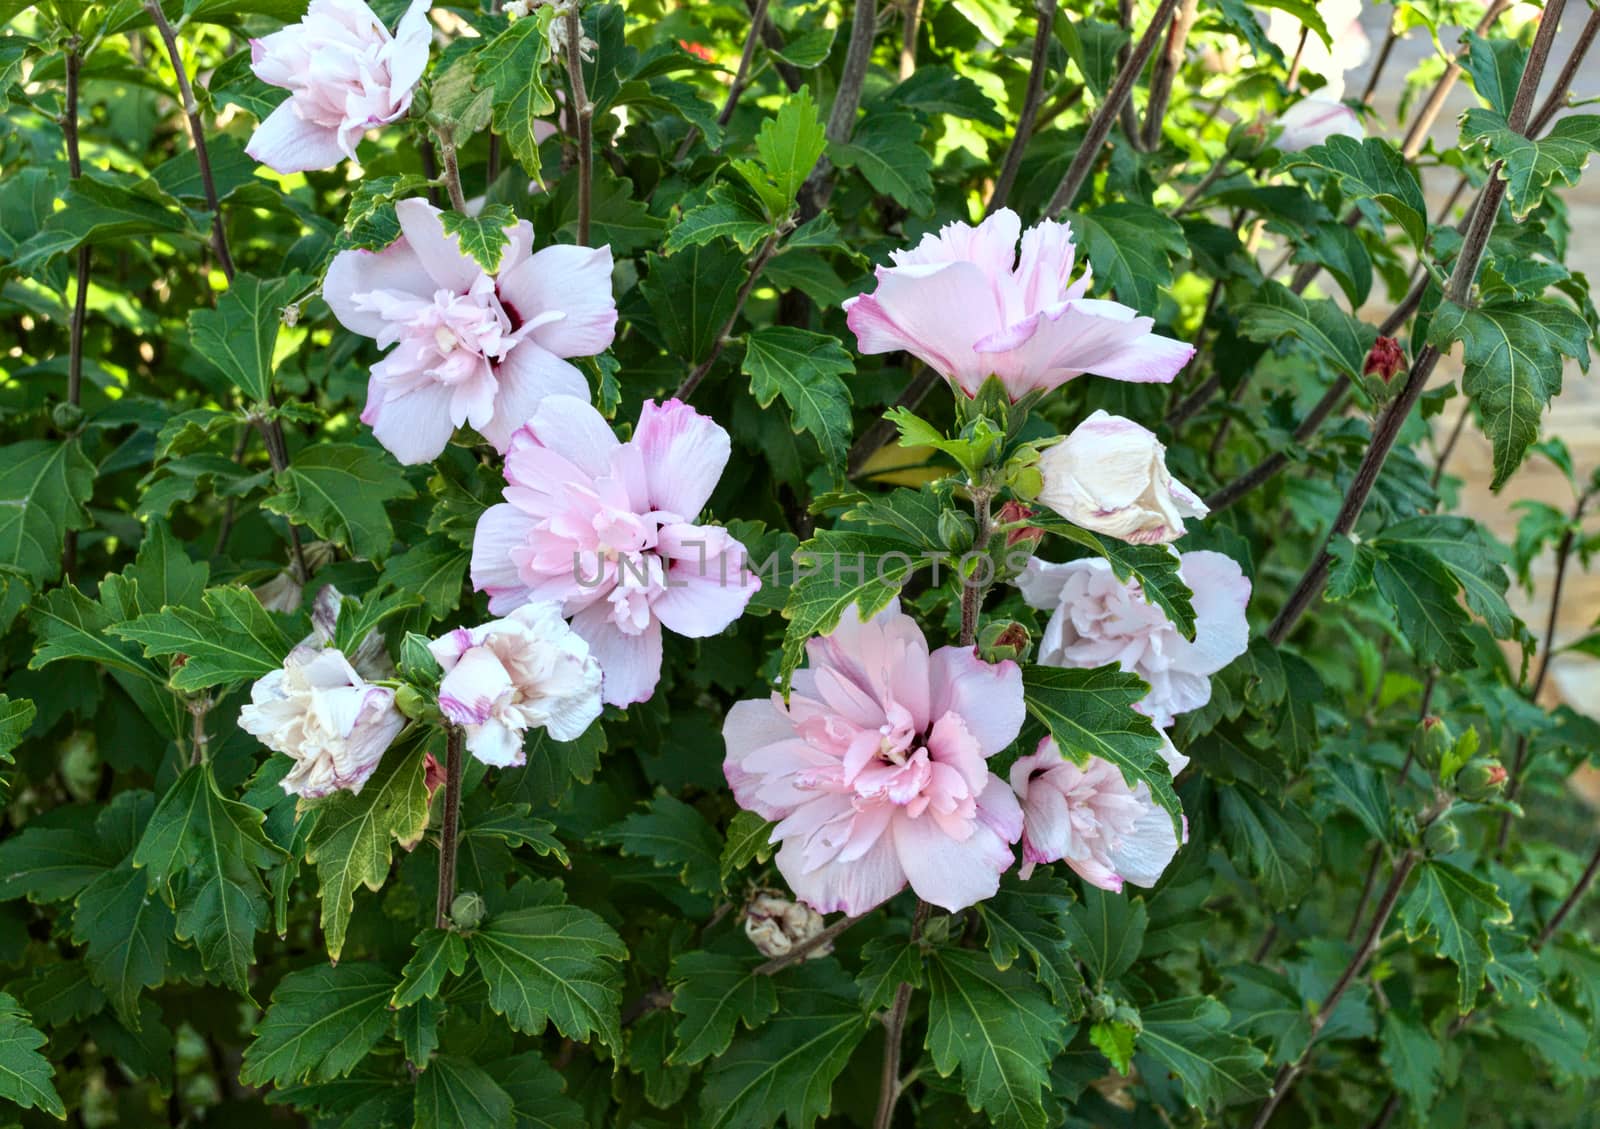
{"points": [[936, 931], [1441, 838], [1026, 482], [413, 703], [1003, 639], [1480, 779], [1433, 742], [66, 416], [956, 530], [467, 910]]}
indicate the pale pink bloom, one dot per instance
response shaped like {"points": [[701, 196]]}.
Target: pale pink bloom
{"points": [[1097, 619], [1110, 476], [876, 768], [1311, 121], [605, 530], [318, 711], [526, 671], [345, 75], [469, 347], [1090, 819], [1349, 49], [965, 304]]}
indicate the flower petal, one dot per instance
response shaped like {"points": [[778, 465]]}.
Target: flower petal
{"points": [[707, 586], [575, 281], [414, 425], [683, 453], [849, 887], [441, 254], [933, 312], [527, 375], [630, 665], [986, 696], [952, 875], [287, 143], [396, 267]]}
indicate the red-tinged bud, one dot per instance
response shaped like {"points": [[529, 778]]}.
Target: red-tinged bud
{"points": [[432, 774], [1481, 778], [698, 50], [1385, 360], [1013, 512]]}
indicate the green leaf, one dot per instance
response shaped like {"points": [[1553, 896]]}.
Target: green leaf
{"points": [[214, 847], [1029, 918], [417, 1028], [440, 953], [1094, 46], [1466, 550], [835, 570], [693, 294], [1090, 714], [1359, 789], [321, 1023], [805, 368], [1423, 594], [484, 236], [1273, 842], [551, 768], [726, 214], [1372, 169], [127, 930], [233, 639], [937, 89], [1106, 932], [350, 841], [748, 840], [1532, 167], [789, 144], [511, 66], [536, 1090], [1114, 1039], [1513, 361], [239, 335], [1189, 1036], [886, 964], [338, 491], [886, 148], [1455, 909], [44, 486], [553, 964], [1131, 247], [809, 49], [457, 1093], [164, 573], [25, 1073], [999, 1029], [15, 718], [1338, 339], [713, 994], [788, 1066], [1412, 1056], [50, 864], [675, 837], [99, 206], [1496, 67]]}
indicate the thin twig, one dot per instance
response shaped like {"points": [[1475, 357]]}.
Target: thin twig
{"points": [[1290, 1072], [452, 175], [1043, 33], [1582, 887], [80, 300], [1382, 61], [757, 265], [1569, 71], [874, 437], [1192, 197], [1117, 97], [1387, 430], [1417, 136], [908, 39], [846, 101], [583, 113], [741, 78], [894, 1024], [972, 594], [197, 133], [1268, 468], [1165, 70], [1449, 447], [450, 831], [1292, 79]]}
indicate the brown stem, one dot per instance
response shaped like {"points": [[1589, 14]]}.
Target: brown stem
{"points": [[1572, 899], [1449, 447], [741, 78], [882, 429], [846, 101], [1290, 1072], [1417, 135], [894, 1024], [80, 300], [757, 265], [228, 512], [1116, 98], [199, 742], [1569, 71], [1165, 70], [452, 175], [908, 39], [197, 134], [1292, 79], [1457, 291], [1218, 167], [972, 594], [450, 832], [1380, 63], [807, 947], [1046, 10], [583, 112], [1268, 468], [278, 454]]}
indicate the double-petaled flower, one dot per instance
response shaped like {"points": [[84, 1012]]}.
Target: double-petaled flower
{"points": [[467, 346]]}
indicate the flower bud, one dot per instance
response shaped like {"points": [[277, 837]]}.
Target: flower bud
{"points": [[1247, 138], [1441, 838], [1312, 121], [1026, 536], [1110, 476], [66, 416], [414, 704], [1434, 741], [467, 911], [1026, 482], [1385, 359], [1002, 640], [433, 774], [955, 531], [1480, 779]]}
